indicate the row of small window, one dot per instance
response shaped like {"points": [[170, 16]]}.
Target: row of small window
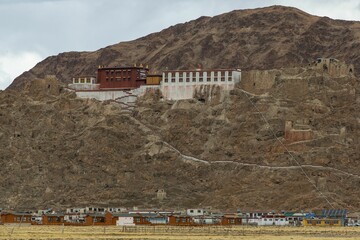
{"points": [[55, 219], [201, 79], [118, 73], [192, 211], [82, 80], [24, 219], [326, 221], [183, 220], [202, 74], [276, 219], [117, 79]]}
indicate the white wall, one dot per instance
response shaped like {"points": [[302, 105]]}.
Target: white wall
{"points": [[125, 221], [267, 221], [195, 212], [174, 87], [129, 96]]}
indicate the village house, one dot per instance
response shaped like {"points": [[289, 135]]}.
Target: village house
{"points": [[16, 217], [326, 217], [273, 220], [181, 220], [53, 219]]}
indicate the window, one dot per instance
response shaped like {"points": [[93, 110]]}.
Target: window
{"points": [[232, 221], [336, 221], [177, 220], [18, 219], [49, 219], [318, 222], [265, 219], [192, 211], [137, 219], [58, 219], [199, 211], [183, 220], [193, 77], [276, 220]]}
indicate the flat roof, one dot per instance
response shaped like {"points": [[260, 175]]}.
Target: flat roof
{"points": [[205, 70], [118, 68]]}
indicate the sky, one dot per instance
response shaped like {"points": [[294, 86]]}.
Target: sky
{"points": [[32, 30]]}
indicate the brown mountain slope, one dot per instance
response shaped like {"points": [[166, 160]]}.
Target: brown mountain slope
{"points": [[262, 38], [59, 151]]}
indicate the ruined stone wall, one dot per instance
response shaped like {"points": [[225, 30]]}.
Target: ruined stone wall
{"points": [[258, 81]]}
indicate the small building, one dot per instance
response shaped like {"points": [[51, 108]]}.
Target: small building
{"points": [[231, 219], [253, 217], [96, 219], [121, 77], [181, 220], [297, 132], [295, 219], [353, 219], [195, 212], [324, 222], [16, 217], [160, 194], [207, 220], [326, 217], [52, 219], [273, 220]]}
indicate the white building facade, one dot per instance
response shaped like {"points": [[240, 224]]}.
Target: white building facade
{"points": [[182, 84]]}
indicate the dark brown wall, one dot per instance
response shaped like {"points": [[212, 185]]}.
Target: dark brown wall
{"points": [[126, 78]]}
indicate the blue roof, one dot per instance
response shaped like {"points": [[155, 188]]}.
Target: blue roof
{"points": [[328, 213]]}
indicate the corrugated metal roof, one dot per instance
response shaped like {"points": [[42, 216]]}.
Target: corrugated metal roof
{"points": [[333, 213]]}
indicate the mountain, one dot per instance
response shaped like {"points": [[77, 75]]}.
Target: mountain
{"points": [[282, 139], [263, 38]]}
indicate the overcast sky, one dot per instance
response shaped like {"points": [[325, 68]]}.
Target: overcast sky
{"points": [[31, 30]]}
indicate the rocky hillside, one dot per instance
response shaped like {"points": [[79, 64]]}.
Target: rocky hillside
{"points": [[264, 38], [229, 151]]}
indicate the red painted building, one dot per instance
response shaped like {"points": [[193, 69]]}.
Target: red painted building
{"points": [[52, 219], [14, 217], [121, 77]]}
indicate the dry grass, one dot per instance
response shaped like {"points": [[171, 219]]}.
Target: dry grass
{"points": [[174, 233]]}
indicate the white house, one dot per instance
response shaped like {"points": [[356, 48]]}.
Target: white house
{"points": [[195, 212], [273, 220]]}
